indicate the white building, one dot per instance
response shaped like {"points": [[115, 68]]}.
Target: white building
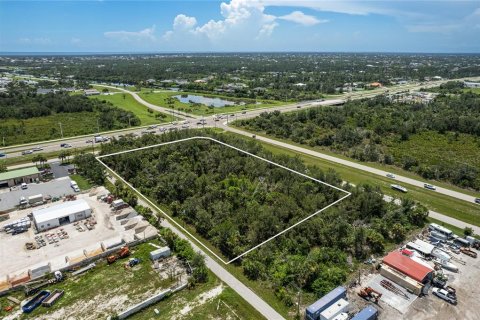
{"points": [[472, 84], [67, 212], [91, 92]]}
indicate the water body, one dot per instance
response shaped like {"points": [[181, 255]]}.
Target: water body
{"points": [[215, 102]]}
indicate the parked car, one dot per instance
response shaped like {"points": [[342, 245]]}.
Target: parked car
{"points": [[24, 186], [429, 186], [445, 295], [390, 175]]}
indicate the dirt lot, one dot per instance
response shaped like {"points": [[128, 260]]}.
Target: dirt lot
{"points": [[21, 259], [430, 307]]}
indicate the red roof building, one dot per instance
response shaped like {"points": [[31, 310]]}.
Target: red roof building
{"points": [[407, 266]]}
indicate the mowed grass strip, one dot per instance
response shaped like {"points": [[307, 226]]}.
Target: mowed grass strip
{"points": [[160, 98], [127, 102], [389, 168], [455, 208]]}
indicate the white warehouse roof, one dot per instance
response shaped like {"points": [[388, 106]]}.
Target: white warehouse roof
{"points": [[421, 246], [60, 210]]}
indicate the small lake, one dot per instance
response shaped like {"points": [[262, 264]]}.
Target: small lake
{"points": [[216, 102]]}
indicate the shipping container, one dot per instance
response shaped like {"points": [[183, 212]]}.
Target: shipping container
{"points": [[368, 313], [313, 311], [340, 306], [36, 198], [401, 279], [160, 253]]}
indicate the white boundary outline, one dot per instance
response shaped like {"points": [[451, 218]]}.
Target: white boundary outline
{"points": [[240, 150]]}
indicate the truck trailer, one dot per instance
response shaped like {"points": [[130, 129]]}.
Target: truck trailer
{"points": [[313, 311]]}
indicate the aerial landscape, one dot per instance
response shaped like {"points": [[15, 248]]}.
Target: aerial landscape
{"points": [[240, 159]]}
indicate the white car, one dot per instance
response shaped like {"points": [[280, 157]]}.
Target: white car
{"points": [[445, 295], [38, 148], [391, 175], [27, 152], [24, 186], [429, 186]]}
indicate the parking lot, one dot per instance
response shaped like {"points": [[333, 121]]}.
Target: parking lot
{"points": [[60, 170], [62, 251], [429, 307], [55, 188]]}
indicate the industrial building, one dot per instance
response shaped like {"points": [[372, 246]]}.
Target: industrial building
{"points": [[423, 248], [15, 177], [60, 214], [405, 265]]}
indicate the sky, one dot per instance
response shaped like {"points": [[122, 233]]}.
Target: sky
{"points": [[240, 25]]}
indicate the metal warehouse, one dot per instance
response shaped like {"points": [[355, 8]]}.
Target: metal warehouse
{"points": [[60, 214], [15, 177], [408, 267]]}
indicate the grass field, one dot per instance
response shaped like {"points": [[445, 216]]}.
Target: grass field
{"points": [[46, 128], [160, 98], [82, 183], [109, 284], [127, 102]]}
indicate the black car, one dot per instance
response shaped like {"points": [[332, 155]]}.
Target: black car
{"points": [[477, 200], [63, 145]]}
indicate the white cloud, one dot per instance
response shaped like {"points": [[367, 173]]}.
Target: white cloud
{"points": [[242, 20], [184, 22], [302, 18], [142, 35]]}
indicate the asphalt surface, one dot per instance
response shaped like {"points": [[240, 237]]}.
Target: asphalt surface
{"points": [[55, 188]]}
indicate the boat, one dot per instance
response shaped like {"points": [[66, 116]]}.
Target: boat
{"points": [[36, 301], [446, 265]]}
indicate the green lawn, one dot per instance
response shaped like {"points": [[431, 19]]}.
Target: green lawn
{"points": [[82, 183], [127, 102], [160, 98], [47, 128], [168, 308], [108, 282]]}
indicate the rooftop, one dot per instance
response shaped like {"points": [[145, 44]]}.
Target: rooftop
{"points": [[406, 265], [59, 210], [18, 173]]}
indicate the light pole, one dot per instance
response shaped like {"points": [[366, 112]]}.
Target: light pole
{"points": [[61, 129]]}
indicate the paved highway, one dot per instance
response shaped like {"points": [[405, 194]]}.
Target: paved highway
{"points": [[223, 123]]}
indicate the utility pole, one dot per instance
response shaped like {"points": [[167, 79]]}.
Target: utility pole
{"points": [[61, 129]]}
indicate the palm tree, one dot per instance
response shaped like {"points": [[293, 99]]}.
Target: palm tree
{"points": [[42, 159], [35, 159], [62, 155]]}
